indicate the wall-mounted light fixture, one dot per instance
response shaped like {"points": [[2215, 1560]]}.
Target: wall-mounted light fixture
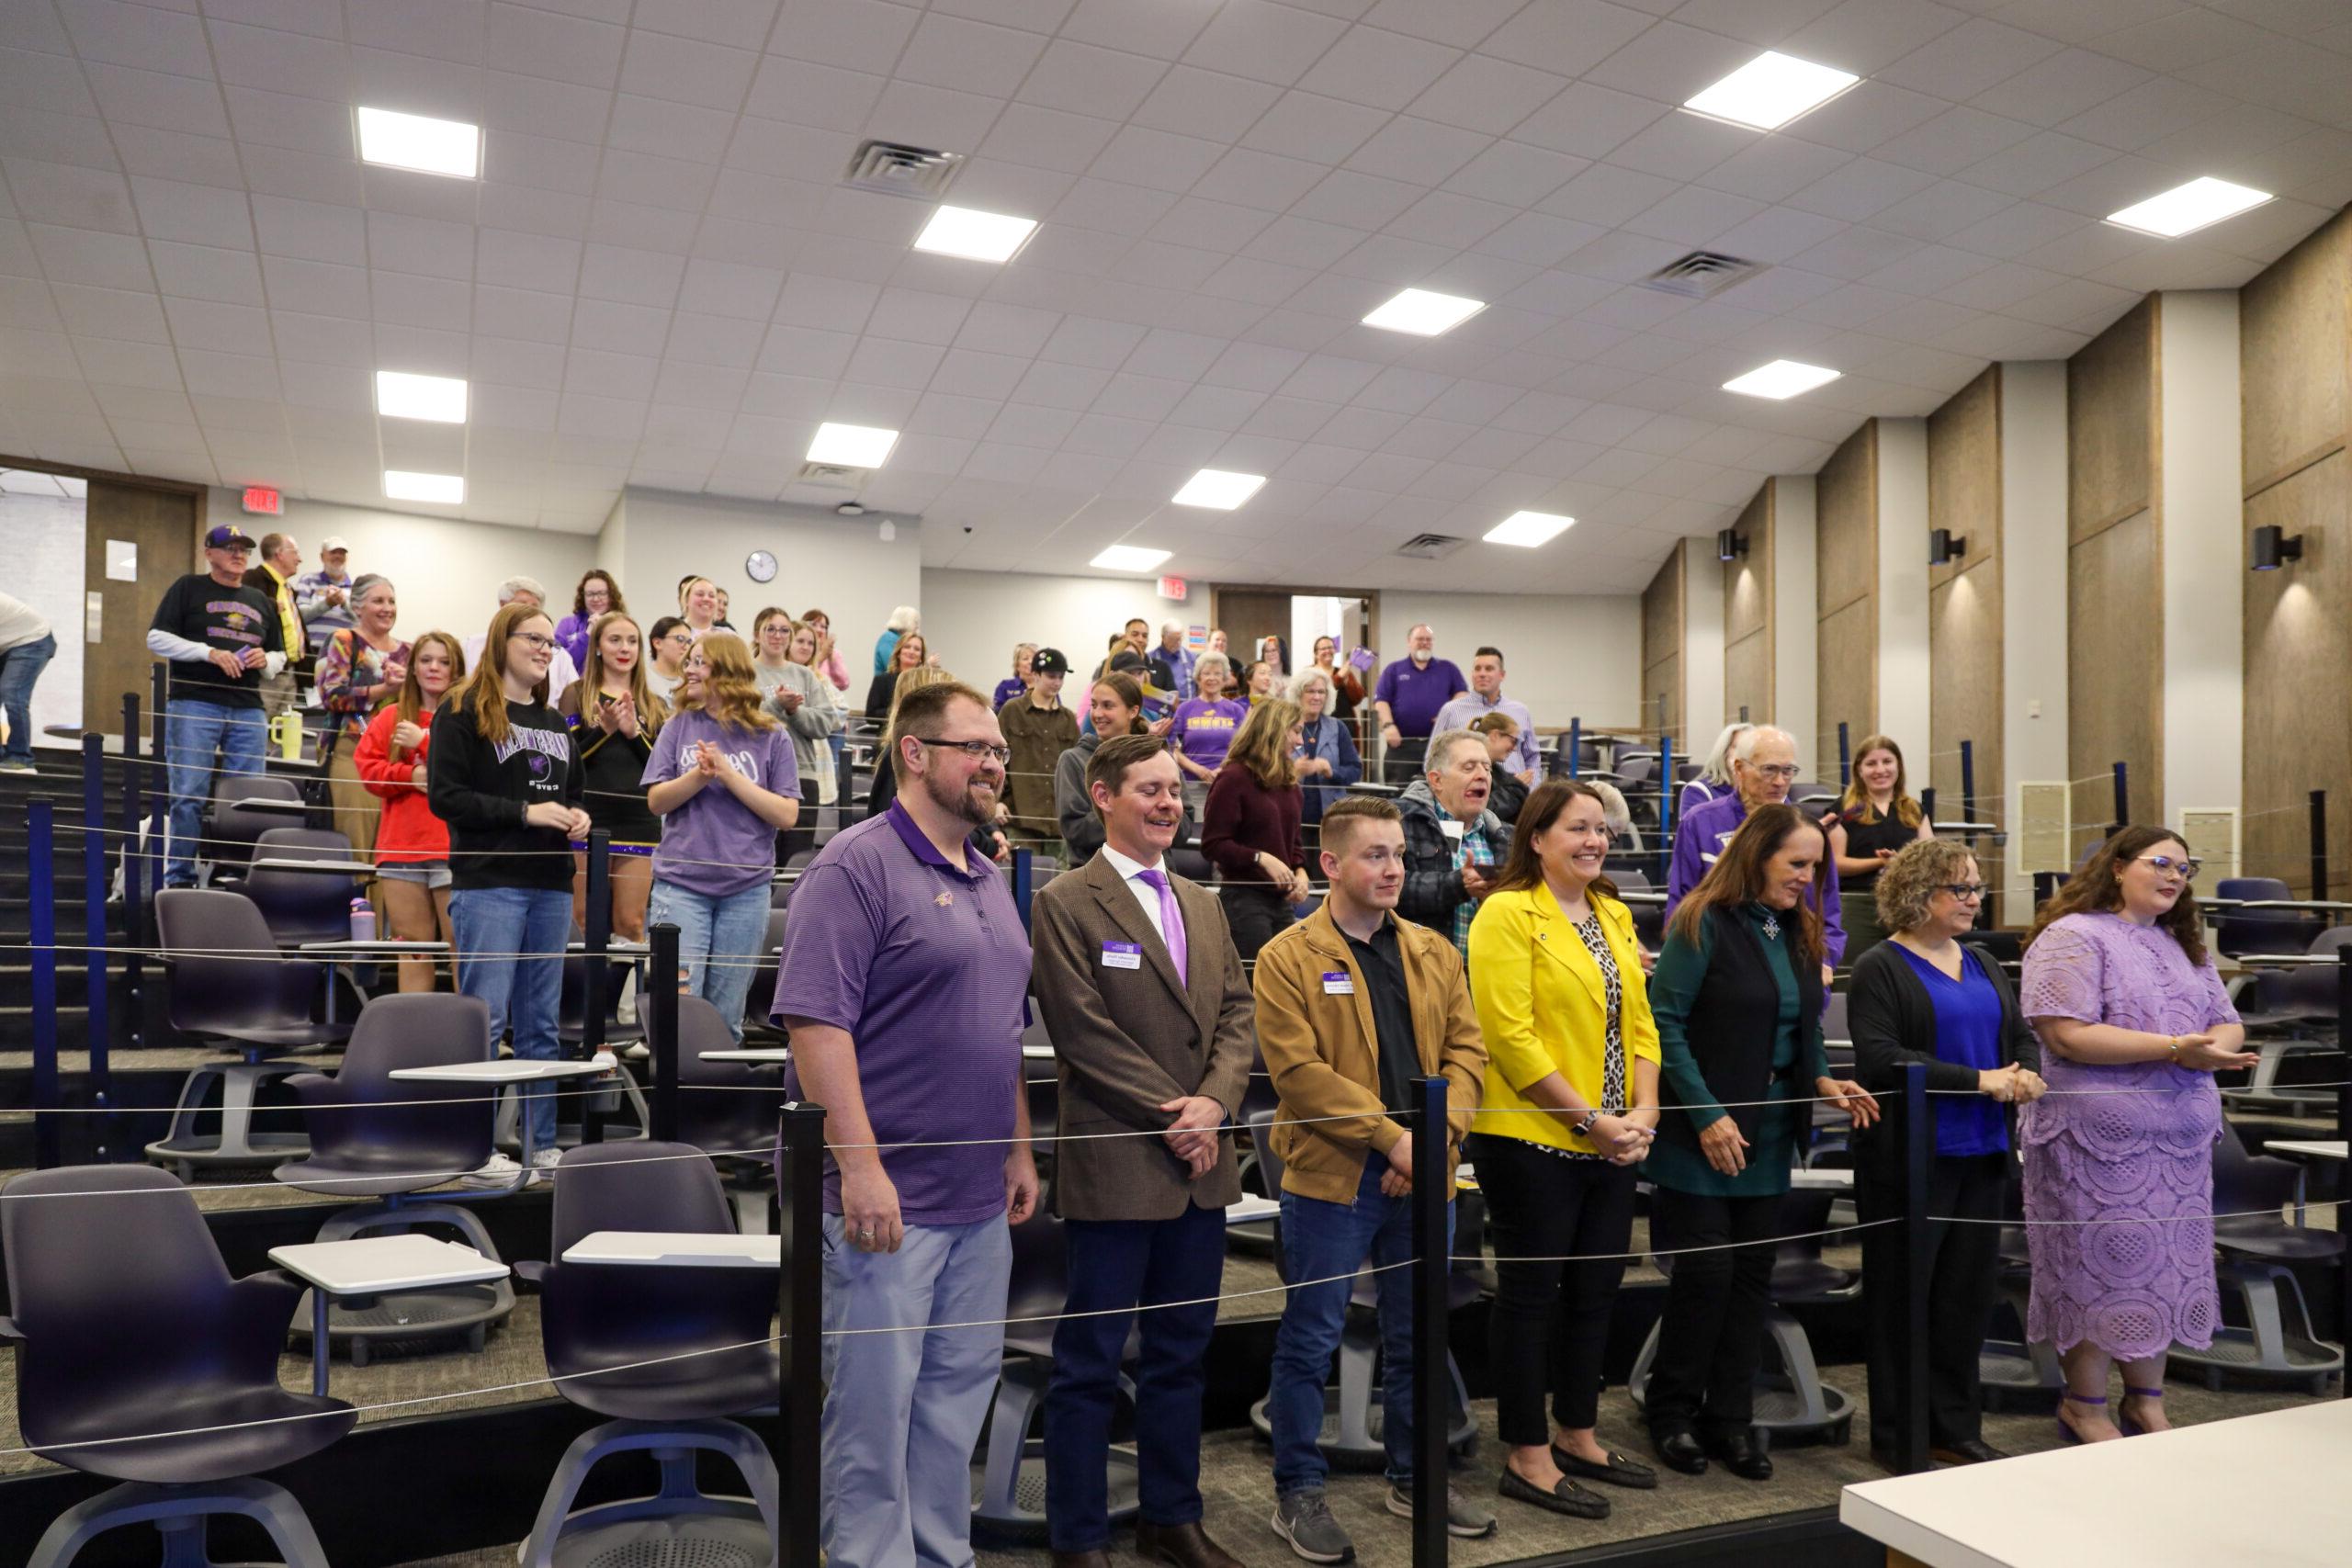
{"points": [[2274, 547], [1944, 546], [1729, 546]]}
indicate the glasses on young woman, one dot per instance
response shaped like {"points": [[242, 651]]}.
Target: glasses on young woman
{"points": [[2164, 865]]}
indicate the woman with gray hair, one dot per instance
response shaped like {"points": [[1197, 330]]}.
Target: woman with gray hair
{"points": [[1714, 774], [1327, 760], [1924, 995], [1205, 726], [904, 619]]}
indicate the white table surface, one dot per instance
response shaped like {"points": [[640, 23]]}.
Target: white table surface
{"points": [[387, 944], [2255, 1490], [2307, 1148], [373, 1265], [1817, 1180], [1037, 1052], [322, 867], [767, 1055], [512, 1069], [1249, 1210], [678, 1250], [2283, 960]]}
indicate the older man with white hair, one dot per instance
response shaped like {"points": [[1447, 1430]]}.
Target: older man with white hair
{"points": [[1173, 660], [561, 670], [1763, 766]]}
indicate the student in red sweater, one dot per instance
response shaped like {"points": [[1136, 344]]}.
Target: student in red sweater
{"points": [[411, 844], [1249, 828]]}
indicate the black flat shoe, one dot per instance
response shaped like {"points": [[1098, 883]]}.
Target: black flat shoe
{"points": [[1742, 1453], [1680, 1451], [1619, 1471], [1567, 1497], [1975, 1451]]}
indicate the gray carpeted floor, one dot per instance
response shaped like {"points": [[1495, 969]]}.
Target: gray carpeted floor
{"points": [[1236, 1480]]}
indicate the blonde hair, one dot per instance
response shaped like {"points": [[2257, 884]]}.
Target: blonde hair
{"points": [[485, 689], [730, 689], [1208, 661], [651, 709], [1262, 744], [909, 681]]}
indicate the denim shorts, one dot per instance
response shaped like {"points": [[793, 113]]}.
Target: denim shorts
{"points": [[427, 873]]}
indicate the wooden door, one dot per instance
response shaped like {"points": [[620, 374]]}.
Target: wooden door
{"points": [[164, 527], [1247, 616]]}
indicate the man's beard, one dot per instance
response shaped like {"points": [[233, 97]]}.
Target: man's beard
{"points": [[962, 804]]}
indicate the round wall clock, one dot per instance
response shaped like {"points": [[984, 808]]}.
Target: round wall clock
{"points": [[761, 565]]}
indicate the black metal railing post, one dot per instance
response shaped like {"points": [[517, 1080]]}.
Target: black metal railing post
{"points": [[801, 1211], [2319, 843], [2344, 1171], [1433, 1389], [2122, 795], [1024, 881], [1968, 782], [1845, 755], [94, 928], [595, 971], [41, 830], [661, 1029], [1919, 1140], [1576, 745]]}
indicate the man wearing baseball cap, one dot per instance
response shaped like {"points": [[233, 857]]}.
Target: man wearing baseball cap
{"points": [[324, 596], [1039, 728], [221, 640]]}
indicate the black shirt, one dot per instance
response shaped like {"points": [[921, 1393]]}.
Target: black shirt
{"points": [[234, 619], [1382, 963], [482, 791]]}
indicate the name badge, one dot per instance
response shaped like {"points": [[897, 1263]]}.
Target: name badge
{"points": [[1339, 984], [1451, 827], [1121, 955]]}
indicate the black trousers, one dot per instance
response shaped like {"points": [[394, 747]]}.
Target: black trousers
{"points": [[1402, 764], [1963, 1276], [1711, 1333], [1551, 1320], [1254, 912], [802, 835]]}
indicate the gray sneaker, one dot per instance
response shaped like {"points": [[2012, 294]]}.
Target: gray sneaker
{"points": [[1304, 1520], [1461, 1518]]}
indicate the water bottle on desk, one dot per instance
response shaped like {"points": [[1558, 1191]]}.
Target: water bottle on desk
{"points": [[363, 921]]}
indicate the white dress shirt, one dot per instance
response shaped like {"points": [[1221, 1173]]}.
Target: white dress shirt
{"points": [[1130, 870]]}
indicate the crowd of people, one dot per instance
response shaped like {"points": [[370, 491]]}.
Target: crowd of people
{"points": [[1349, 944]]}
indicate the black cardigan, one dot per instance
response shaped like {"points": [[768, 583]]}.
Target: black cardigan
{"points": [[1893, 1022], [1735, 1020]]}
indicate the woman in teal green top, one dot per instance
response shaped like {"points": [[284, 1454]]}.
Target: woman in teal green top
{"points": [[1737, 999]]}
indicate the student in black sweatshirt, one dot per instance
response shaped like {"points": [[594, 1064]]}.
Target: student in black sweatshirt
{"points": [[503, 772]]}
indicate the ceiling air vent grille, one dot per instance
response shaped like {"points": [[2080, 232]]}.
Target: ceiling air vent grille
{"points": [[1702, 275], [831, 476], [1431, 546], [895, 169]]}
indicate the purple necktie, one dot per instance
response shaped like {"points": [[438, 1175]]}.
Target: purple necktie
{"points": [[1171, 920]]}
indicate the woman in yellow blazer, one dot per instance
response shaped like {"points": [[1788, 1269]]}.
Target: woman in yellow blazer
{"points": [[1569, 1109]]}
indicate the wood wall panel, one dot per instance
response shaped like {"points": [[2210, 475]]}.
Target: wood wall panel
{"points": [[1846, 655], [1846, 553], [1964, 633], [1662, 635], [2111, 423], [2114, 657], [2299, 680], [1748, 615], [2292, 327]]}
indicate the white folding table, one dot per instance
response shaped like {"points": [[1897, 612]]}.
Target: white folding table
{"points": [[2256, 1489], [511, 1071], [678, 1250], [376, 1266]]}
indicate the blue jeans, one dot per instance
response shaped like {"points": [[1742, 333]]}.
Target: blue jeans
{"points": [[192, 731], [19, 668], [903, 1411], [1116, 1266], [1327, 1241], [527, 993], [718, 942]]}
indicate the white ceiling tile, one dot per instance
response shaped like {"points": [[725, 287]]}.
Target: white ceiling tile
{"points": [[1867, 115], [2057, 89], [87, 312], [1049, 139], [741, 23], [1156, 158], [1080, 78], [420, 245], [121, 34], [517, 363], [1383, 70], [1571, 36], [1145, 27], [1213, 104], [1866, 36], [542, 44], [2031, 166], [953, 51], [185, 104], [69, 197], [1955, 141], [1941, 211], [1320, 130], [324, 340], [310, 229], [406, 299], [307, 176], [45, 82], [1270, 42], [621, 329], [538, 106], [543, 163], [1418, 151], [169, 210], [630, 276], [206, 272]]}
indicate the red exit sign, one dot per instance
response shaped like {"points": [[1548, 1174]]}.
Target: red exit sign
{"points": [[263, 502], [1173, 588]]}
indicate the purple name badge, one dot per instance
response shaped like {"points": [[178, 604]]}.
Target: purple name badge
{"points": [[1338, 982], [1121, 955]]}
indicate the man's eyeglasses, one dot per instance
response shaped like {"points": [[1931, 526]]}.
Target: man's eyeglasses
{"points": [[976, 750], [1963, 891], [1779, 773], [2166, 867]]}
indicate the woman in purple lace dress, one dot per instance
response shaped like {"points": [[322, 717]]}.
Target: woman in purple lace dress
{"points": [[2119, 1156]]}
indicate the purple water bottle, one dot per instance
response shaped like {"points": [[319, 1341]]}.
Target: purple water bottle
{"points": [[363, 921]]}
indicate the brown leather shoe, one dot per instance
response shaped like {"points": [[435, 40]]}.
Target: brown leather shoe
{"points": [[1182, 1546], [1098, 1558]]}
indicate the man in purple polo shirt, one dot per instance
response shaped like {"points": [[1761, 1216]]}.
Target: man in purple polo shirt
{"points": [[1763, 766], [902, 980], [1409, 694]]}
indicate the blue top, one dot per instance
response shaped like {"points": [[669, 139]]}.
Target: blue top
{"points": [[1968, 1031]]}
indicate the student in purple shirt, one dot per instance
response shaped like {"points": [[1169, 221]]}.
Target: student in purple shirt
{"points": [[723, 780], [1763, 766], [1409, 694], [1006, 690], [903, 978], [1204, 727]]}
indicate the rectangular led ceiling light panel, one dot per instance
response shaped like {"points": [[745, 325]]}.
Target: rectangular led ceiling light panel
{"points": [[852, 446], [1218, 488], [1772, 90], [1129, 558], [413, 142], [441, 399], [1528, 529], [1781, 378], [1424, 313], [2184, 210], [975, 235], [444, 490]]}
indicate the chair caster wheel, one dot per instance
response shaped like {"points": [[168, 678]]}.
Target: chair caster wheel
{"points": [[360, 1354]]}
